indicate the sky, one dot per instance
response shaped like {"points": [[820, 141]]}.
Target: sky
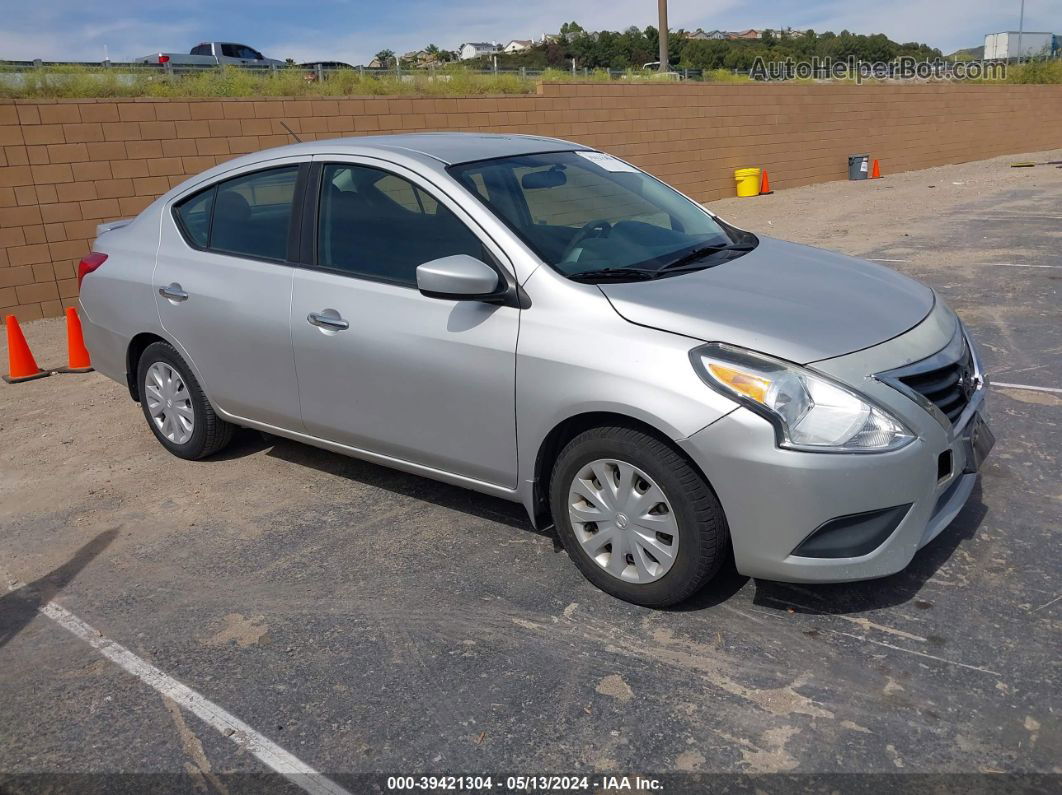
{"points": [[354, 30]]}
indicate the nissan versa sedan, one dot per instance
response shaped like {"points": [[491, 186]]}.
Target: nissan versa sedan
{"points": [[546, 323]]}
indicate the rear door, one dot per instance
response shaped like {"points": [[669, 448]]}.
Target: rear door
{"points": [[223, 283], [420, 379]]}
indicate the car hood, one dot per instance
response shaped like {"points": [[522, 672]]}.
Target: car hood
{"points": [[795, 302]]}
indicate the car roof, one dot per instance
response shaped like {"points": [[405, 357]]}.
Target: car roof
{"points": [[446, 147], [455, 147], [434, 150]]}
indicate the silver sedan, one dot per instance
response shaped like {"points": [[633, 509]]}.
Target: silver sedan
{"points": [[546, 323]]}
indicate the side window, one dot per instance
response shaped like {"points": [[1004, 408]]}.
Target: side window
{"points": [[230, 50], [407, 195], [247, 216], [194, 216], [201, 49], [380, 226]]}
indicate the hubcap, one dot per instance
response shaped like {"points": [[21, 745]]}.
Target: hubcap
{"points": [[623, 521], [169, 403]]}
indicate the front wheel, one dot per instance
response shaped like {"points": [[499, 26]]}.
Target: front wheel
{"points": [[175, 407], [637, 519]]}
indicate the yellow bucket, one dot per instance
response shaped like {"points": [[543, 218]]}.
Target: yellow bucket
{"points": [[748, 181]]}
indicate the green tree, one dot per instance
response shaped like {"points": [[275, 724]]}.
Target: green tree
{"points": [[704, 54]]}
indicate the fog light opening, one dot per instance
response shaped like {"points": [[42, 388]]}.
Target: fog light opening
{"points": [[944, 465]]}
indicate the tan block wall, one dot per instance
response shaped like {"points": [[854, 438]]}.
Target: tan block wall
{"points": [[66, 165]]}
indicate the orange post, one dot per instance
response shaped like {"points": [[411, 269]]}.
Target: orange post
{"points": [[765, 184], [21, 364], [77, 354], [875, 172]]}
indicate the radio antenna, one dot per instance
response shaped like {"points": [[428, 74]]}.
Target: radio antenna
{"points": [[291, 132]]}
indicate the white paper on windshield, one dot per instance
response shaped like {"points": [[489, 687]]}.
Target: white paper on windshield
{"points": [[607, 162]]}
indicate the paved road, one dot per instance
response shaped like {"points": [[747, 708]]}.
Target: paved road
{"points": [[369, 621]]}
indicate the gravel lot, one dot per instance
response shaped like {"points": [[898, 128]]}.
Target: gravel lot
{"points": [[369, 621]]}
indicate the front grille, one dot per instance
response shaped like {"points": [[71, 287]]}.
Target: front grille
{"points": [[949, 388]]}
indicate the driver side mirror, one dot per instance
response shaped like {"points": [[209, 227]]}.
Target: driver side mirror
{"points": [[459, 278]]}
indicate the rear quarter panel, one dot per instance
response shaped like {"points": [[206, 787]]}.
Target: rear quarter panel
{"points": [[116, 301]]}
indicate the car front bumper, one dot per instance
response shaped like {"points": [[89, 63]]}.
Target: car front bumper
{"points": [[774, 499]]}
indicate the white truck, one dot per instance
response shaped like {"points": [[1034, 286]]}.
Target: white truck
{"points": [[1012, 44], [212, 53]]}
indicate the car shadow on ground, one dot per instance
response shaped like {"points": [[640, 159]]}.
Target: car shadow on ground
{"points": [[840, 598], [400, 483], [20, 606]]}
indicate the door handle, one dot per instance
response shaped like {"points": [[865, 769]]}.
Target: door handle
{"points": [[173, 292], [330, 322]]}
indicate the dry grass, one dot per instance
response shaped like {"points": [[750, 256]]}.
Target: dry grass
{"points": [[75, 82], [83, 81], [1036, 72]]}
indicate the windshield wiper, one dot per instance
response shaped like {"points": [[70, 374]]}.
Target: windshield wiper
{"points": [[621, 274], [702, 252], [680, 265]]}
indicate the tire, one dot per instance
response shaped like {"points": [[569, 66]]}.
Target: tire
{"points": [[208, 432], [692, 510]]}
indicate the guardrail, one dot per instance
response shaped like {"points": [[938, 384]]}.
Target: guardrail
{"points": [[11, 72], [321, 73]]}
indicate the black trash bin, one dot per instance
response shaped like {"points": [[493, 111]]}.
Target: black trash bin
{"points": [[858, 166]]}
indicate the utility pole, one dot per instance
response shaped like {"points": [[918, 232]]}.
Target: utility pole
{"points": [[1021, 28], [664, 65]]}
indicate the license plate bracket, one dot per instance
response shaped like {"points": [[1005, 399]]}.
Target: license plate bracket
{"points": [[978, 440]]}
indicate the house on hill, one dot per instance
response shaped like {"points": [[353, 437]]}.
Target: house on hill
{"points": [[702, 35], [475, 49], [517, 45]]}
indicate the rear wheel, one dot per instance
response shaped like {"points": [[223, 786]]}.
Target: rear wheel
{"points": [[175, 407], [637, 519]]}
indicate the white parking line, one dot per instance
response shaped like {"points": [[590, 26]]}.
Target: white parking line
{"points": [[268, 752], [986, 264], [1025, 386], [1015, 265]]}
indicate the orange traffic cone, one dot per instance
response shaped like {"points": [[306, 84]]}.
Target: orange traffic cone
{"points": [[765, 184], [77, 354], [21, 364], [875, 172]]}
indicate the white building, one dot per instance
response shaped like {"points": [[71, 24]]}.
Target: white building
{"points": [[1004, 46], [518, 45], [704, 35], [474, 49]]}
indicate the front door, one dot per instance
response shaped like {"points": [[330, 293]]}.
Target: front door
{"points": [[382, 367]]}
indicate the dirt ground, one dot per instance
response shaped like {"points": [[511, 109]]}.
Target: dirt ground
{"points": [[375, 622]]}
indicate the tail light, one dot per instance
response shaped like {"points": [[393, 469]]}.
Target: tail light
{"points": [[164, 59], [88, 264]]}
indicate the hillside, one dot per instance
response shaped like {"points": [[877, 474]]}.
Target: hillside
{"points": [[968, 54], [633, 48]]}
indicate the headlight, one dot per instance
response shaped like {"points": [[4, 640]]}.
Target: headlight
{"points": [[808, 411]]}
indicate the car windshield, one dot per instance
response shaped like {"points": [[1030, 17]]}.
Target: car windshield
{"points": [[588, 212]]}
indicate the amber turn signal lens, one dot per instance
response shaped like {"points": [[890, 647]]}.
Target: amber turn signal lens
{"points": [[743, 383]]}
